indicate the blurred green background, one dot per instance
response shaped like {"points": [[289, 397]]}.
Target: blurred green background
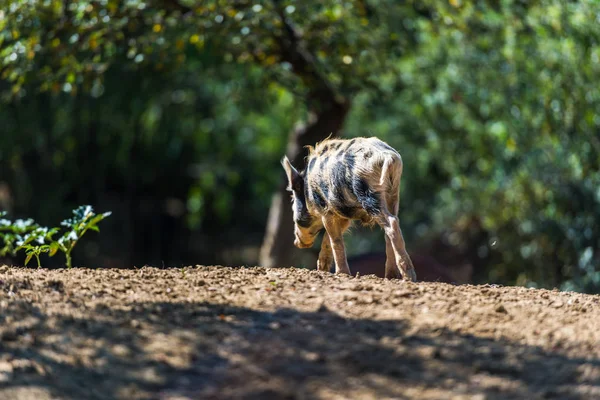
{"points": [[174, 115]]}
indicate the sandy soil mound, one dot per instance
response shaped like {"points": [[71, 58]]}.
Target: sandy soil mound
{"points": [[256, 333]]}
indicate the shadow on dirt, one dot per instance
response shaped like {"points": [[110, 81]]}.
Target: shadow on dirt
{"points": [[200, 350]]}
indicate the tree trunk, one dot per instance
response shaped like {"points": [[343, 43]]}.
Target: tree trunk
{"points": [[278, 245], [329, 110]]}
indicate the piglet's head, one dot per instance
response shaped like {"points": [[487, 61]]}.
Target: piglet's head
{"points": [[306, 226]]}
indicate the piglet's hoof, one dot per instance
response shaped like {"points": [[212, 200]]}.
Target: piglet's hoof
{"points": [[343, 271], [324, 265], [410, 275], [393, 273]]}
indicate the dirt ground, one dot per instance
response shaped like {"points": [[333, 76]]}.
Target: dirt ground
{"points": [[255, 333]]}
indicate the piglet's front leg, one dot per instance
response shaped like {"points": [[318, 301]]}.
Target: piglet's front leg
{"points": [[325, 255], [335, 228]]}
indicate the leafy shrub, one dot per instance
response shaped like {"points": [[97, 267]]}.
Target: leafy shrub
{"points": [[34, 239]]}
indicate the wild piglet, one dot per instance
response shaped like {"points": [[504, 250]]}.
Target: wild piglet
{"points": [[346, 180]]}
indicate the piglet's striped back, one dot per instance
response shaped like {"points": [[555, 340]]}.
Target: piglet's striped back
{"points": [[348, 177]]}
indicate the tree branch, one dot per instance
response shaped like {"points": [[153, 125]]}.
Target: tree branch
{"points": [[304, 64]]}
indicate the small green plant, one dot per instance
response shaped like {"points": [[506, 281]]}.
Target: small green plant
{"points": [[35, 251], [28, 236], [13, 231]]}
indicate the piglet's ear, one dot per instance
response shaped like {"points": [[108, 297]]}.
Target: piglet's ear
{"points": [[294, 178]]}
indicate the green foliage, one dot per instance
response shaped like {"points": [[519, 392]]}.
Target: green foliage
{"points": [[503, 101], [83, 220], [67, 47], [34, 240], [12, 232]]}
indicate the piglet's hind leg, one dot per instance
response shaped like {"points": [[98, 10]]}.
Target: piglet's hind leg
{"points": [[391, 227]]}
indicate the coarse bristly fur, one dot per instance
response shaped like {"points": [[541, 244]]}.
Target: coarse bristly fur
{"points": [[345, 180]]}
